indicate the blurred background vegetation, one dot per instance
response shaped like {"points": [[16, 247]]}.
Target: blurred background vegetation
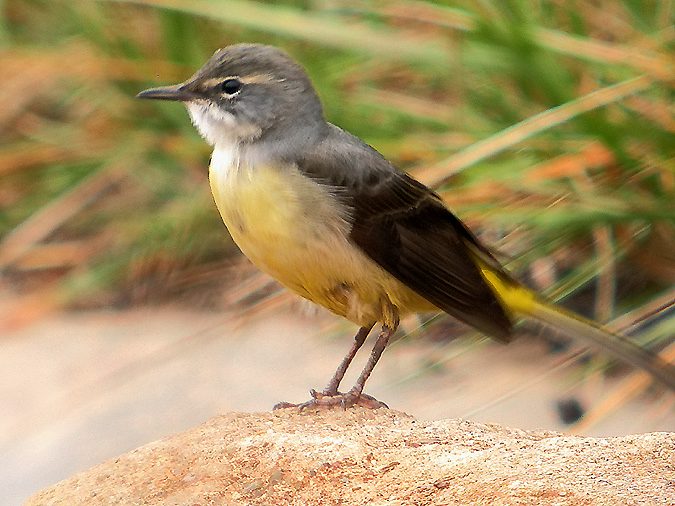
{"points": [[546, 124]]}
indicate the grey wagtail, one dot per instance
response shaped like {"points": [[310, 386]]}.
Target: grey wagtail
{"points": [[335, 222]]}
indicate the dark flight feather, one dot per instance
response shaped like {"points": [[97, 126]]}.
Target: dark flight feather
{"points": [[406, 229]]}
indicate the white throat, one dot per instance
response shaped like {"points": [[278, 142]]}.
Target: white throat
{"points": [[219, 127]]}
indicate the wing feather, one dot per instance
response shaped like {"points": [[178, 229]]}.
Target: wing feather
{"points": [[405, 228]]}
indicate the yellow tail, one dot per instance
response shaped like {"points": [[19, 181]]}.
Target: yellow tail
{"points": [[520, 300]]}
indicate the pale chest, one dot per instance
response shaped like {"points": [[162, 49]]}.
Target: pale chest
{"points": [[297, 231], [279, 218]]}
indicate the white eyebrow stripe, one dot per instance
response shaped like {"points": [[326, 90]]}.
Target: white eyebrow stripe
{"points": [[252, 79], [258, 78], [214, 81]]}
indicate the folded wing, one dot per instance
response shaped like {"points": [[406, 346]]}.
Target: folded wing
{"points": [[405, 228]]}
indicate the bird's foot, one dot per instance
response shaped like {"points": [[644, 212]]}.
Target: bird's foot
{"points": [[325, 400]]}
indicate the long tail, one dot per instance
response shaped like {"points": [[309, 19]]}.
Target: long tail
{"points": [[523, 301]]}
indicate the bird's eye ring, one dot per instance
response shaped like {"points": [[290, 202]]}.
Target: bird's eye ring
{"points": [[231, 86]]}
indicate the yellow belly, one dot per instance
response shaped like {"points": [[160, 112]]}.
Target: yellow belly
{"points": [[293, 229]]}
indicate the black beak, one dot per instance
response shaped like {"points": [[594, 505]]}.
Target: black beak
{"points": [[177, 93]]}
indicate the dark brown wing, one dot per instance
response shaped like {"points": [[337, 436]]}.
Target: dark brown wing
{"points": [[406, 229]]}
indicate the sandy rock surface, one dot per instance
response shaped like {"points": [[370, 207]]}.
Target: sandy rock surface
{"points": [[375, 457]]}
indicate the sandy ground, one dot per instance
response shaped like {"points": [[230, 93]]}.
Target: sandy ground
{"points": [[77, 389]]}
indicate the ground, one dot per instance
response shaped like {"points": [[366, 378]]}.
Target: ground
{"points": [[80, 388], [359, 457]]}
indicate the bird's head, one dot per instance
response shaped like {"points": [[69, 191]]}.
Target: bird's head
{"points": [[246, 92]]}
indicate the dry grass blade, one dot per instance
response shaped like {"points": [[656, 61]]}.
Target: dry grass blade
{"points": [[409, 104], [16, 158], [656, 65], [312, 27], [442, 172], [28, 69], [428, 13], [64, 254], [658, 112], [606, 286], [567, 361], [46, 220], [629, 321], [571, 164], [632, 386], [629, 388]]}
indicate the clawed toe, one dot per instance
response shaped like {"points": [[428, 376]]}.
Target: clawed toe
{"points": [[345, 400], [370, 402], [284, 405]]}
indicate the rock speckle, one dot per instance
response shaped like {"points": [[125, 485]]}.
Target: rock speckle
{"points": [[375, 457]]}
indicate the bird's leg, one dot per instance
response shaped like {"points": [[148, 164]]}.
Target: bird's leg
{"points": [[380, 345], [355, 396], [332, 387]]}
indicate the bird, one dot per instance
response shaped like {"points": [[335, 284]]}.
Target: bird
{"points": [[335, 222]]}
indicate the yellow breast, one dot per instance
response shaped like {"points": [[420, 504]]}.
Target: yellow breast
{"points": [[274, 214], [296, 231]]}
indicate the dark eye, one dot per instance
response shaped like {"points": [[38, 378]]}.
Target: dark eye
{"points": [[230, 86]]}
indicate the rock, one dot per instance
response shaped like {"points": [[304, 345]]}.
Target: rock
{"points": [[375, 457]]}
